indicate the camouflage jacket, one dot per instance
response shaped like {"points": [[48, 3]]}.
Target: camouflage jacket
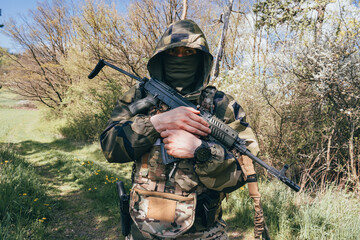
{"points": [[128, 138], [133, 138]]}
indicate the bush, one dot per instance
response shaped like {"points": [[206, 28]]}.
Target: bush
{"points": [[88, 110]]}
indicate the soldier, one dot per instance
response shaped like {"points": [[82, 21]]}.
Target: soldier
{"points": [[180, 200]]}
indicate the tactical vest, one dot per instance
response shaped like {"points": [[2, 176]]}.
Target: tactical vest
{"points": [[166, 198]]}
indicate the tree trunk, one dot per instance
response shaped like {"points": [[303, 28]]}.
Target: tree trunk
{"points": [[253, 65], [185, 9], [319, 21], [220, 50], [351, 152], [328, 153]]}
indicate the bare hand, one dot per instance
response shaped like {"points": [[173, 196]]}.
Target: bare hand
{"points": [[181, 118], [180, 143]]}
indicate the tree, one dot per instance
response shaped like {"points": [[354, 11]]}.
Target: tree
{"points": [[185, 9], [286, 44], [322, 61], [332, 71], [37, 73], [221, 45], [128, 41]]}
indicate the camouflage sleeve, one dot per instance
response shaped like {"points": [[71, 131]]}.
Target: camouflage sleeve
{"points": [[221, 172], [234, 116], [243, 128], [127, 137]]}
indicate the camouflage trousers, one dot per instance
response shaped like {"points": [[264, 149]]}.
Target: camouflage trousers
{"points": [[217, 232]]}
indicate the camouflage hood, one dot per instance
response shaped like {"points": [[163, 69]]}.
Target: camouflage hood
{"points": [[188, 34]]}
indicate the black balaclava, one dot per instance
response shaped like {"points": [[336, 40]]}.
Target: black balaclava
{"points": [[181, 72]]}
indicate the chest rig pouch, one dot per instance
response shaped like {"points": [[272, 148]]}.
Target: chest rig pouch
{"points": [[162, 214], [161, 201]]}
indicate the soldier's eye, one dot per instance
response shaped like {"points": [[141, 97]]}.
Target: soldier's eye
{"points": [[190, 51], [171, 51], [181, 51]]}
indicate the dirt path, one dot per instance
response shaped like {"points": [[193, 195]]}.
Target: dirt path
{"points": [[76, 220], [74, 216]]}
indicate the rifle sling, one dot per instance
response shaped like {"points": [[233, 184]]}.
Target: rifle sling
{"points": [[248, 169]]}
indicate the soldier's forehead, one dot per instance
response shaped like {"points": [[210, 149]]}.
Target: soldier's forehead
{"points": [[183, 47]]}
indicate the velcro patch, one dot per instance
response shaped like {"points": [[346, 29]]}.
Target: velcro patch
{"points": [[161, 209]]}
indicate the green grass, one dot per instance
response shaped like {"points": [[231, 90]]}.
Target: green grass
{"points": [[73, 175], [24, 205], [7, 99], [75, 191], [21, 124], [333, 214]]}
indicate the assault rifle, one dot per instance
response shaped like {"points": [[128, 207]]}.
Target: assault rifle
{"points": [[228, 137]]}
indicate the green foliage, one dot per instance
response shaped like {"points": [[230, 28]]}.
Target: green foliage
{"points": [[25, 206], [279, 203], [30, 121], [88, 109], [238, 210], [78, 179], [273, 13]]}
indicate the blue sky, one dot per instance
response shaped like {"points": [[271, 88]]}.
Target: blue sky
{"points": [[12, 9], [16, 8]]}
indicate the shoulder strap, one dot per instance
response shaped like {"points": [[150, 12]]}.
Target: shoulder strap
{"points": [[214, 101], [247, 166], [221, 104], [207, 98]]}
